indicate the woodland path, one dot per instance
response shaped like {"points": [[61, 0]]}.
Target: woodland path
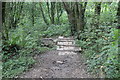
{"points": [[64, 62]]}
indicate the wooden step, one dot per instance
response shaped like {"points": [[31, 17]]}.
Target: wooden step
{"points": [[62, 37], [78, 49], [68, 48], [66, 53], [64, 40], [75, 50], [65, 43]]}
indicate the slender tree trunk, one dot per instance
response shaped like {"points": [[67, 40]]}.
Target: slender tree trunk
{"points": [[97, 13], [18, 12], [98, 8], [118, 15], [118, 27], [59, 12], [3, 11], [0, 16], [33, 21], [5, 29], [43, 15], [51, 11]]}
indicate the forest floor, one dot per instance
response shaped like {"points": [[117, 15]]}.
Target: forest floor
{"points": [[59, 63]]}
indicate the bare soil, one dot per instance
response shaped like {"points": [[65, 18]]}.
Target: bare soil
{"points": [[53, 65]]}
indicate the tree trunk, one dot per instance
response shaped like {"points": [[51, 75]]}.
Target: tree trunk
{"points": [[97, 13], [80, 11], [75, 13], [118, 27], [98, 8], [33, 20], [72, 22], [71, 17], [5, 29], [3, 11], [118, 15], [43, 15], [59, 12], [0, 16], [16, 19], [51, 11]]}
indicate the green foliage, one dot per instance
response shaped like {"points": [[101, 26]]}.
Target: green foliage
{"points": [[12, 68], [100, 52], [112, 66], [116, 35], [57, 30], [108, 14], [64, 18], [19, 50], [24, 42], [99, 44]]}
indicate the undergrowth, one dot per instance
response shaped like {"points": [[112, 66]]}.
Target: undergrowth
{"points": [[100, 47], [100, 43], [24, 42]]}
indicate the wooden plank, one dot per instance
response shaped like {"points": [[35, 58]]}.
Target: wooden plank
{"points": [[62, 37], [69, 48], [65, 43], [67, 53], [65, 40], [75, 49]]}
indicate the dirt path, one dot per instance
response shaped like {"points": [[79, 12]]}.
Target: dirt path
{"points": [[61, 63]]}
